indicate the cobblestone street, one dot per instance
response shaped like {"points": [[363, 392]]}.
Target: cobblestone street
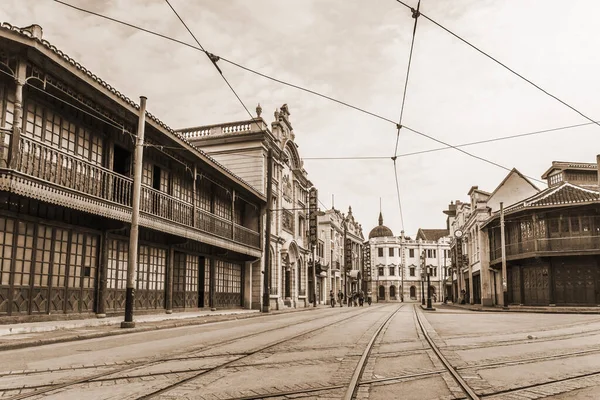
{"points": [[384, 351]]}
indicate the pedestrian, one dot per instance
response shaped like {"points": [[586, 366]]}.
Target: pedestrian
{"points": [[332, 298], [341, 297], [355, 299], [361, 298]]}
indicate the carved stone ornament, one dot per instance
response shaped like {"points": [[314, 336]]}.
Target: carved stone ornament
{"points": [[287, 188]]}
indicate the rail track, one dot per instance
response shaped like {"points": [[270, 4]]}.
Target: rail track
{"points": [[122, 368]]}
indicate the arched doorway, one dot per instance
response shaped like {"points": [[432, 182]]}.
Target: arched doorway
{"points": [[392, 292], [381, 293], [289, 265], [413, 293]]}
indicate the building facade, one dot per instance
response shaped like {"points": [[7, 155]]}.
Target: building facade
{"points": [[476, 283], [66, 162], [243, 148], [340, 251], [552, 241], [399, 264]]}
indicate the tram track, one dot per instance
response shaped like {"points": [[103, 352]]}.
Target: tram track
{"points": [[274, 344], [132, 366]]}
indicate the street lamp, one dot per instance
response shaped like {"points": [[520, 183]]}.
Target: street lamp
{"points": [[422, 289], [428, 288]]}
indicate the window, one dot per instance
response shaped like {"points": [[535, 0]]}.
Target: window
{"points": [[191, 274], [411, 271], [391, 252], [434, 271], [380, 271], [411, 253], [380, 252], [392, 271]]}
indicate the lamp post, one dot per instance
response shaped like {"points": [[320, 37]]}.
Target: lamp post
{"points": [[428, 288], [422, 289]]}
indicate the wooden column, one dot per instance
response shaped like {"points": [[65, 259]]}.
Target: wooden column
{"points": [[194, 194], [169, 292], [233, 214], [212, 284], [14, 150], [102, 276], [535, 232]]}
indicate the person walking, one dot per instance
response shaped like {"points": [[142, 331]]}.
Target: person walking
{"points": [[341, 297], [332, 298], [361, 298]]}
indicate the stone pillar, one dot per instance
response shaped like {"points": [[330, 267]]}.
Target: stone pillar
{"points": [[14, 150], [487, 277], [470, 266], [247, 285], [169, 291]]}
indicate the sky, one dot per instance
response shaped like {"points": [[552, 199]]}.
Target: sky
{"points": [[357, 51]]}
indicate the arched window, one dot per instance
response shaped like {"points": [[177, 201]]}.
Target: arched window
{"points": [[413, 293], [381, 293], [392, 292]]}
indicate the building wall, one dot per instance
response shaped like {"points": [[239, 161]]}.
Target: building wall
{"points": [[515, 188]]}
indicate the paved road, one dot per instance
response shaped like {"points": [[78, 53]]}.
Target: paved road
{"points": [[385, 351]]}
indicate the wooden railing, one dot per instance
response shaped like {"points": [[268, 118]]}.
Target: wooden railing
{"points": [[163, 205], [589, 243], [212, 223], [57, 167], [244, 235]]}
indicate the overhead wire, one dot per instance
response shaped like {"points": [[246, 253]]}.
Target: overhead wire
{"points": [[215, 58], [250, 70], [415, 15], [502, 64]]}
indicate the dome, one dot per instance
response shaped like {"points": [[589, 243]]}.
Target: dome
{"points": [[381, 230]]}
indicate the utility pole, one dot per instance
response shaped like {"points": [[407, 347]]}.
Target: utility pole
{"points": [[135, 215], [428, 271], [267, 258], [503, 246]]}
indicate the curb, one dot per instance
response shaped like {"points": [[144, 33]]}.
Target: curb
{"points": [[527, 311], [166, 324]]}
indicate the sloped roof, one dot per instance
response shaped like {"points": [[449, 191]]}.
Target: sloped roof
{"points": [[514, 171], [562, 165], [432, 234], [564, 194], [26, 33]]}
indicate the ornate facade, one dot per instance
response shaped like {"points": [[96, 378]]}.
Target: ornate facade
{"points": [[243, 147], [66, 157]]}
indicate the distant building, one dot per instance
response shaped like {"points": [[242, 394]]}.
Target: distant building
{"points": [[399, 264], [341, 252]]}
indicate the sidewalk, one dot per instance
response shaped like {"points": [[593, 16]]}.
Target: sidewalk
{"points": [[523, 309], [29, 334]]}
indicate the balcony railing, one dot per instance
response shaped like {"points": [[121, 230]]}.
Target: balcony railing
{"points": [[570, 244], [223, 129], [163, 205], [246, 236], [55, 166], [59, 168]]}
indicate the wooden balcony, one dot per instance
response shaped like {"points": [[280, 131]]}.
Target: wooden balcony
{"points": [[49, 174], [544, 247]]}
